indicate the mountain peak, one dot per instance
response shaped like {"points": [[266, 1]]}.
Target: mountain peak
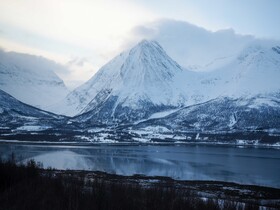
{"points": [[144, 42], [136, 83], [145, 45], [148, 55], [147, 61]]}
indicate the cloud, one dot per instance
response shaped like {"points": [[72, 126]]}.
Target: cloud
{"points": [[65, 29], [99, 30], [146, 31], [88, 24], [77, 61], [189, 45]]}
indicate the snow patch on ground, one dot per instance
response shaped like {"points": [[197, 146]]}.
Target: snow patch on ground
{"points": [[95, 130], [247, 142], [176, 137], [143, 140], [28, 117], [4, 127], [276, 144], [162, 114], [259, 102], [100, 138], [156, 129], [233, 120], [32, 128], [158, 115]]}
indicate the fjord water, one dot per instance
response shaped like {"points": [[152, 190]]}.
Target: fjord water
{"points": [[246, 165]]}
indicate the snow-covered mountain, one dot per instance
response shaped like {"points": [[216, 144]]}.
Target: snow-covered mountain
{"points": [[143, 88], [223, 114], [145, 80], [245, 96], [256, 70], [31, 79], [133, 85], [15, 114]]}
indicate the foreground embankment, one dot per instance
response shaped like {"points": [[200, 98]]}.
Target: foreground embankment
{"points": [[30, 187]]}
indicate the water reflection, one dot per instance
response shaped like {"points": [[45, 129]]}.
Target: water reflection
{"points": [[61, 160], [243, 165]]}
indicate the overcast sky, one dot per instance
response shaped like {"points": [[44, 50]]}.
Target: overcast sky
{"points": [[91, 32]]}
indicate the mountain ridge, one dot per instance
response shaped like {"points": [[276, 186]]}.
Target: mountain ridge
{"points": [[31, 79], [145, 82], [18, 115]]}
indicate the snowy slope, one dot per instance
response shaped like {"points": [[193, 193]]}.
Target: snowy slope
{"points": [[255, 70], [143, 79], [78, 99], [31, 79], [14, 113], [223, 114], [245, 95]]}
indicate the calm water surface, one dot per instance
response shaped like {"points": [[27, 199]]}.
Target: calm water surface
{"points": [[259, 166]]}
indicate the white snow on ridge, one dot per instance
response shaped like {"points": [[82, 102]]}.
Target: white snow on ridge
{"points": [[259, 102], [32, 128], [147, 74], [153, 129], [79, 98], [162, 114], [31, 79], [158, 115], [233, 120], [255, 71]]}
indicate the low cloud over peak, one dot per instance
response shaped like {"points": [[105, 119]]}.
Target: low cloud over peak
{"points": [[188, 44]]}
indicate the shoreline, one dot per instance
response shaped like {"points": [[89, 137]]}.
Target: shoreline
{"points": [[203, 189], [33, 187], [96, 143], [158, 179]]}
